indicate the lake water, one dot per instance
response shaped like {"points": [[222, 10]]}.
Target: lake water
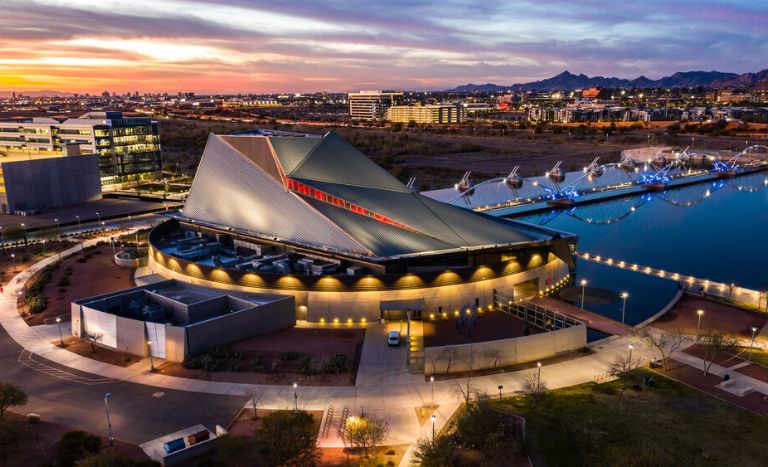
{"points": [[716, 230]]}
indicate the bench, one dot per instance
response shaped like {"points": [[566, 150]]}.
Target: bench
{"points": [[745, 391], [727, 383]]}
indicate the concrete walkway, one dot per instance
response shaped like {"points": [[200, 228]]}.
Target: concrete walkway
{"points": [[593, 320], [384, 387]]}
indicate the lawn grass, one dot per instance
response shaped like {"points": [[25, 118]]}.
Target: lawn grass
{"points": [[668, 425], [759, 356]]}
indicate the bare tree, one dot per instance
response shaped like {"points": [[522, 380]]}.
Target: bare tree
{"points": [[364, 432], [93, 337], [493, 356], [666, 343], [449, 354], [465, 390], [623, 366], [715, 343], [532, 384]]}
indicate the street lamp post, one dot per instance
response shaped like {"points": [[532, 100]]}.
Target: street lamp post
{"points": [[58, 228], [13, 257], [79, 226], [501, 386], [432, 387], [433, 418], [624, 296], [752, 343], [61, 336], [583, 290], [629, 362], [98, 216], [109, 423], [698, 322], [538, 379], [24, 226], [151, 360], [295, 397]]}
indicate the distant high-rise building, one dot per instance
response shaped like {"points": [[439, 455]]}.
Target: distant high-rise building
{"points": [[128, 147], [371, 105], [430, 114]]}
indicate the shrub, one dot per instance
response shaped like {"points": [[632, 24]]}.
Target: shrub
{"points": [[288, 437], [37, 303], [339, 363], [10, 435], [293, 356], [76, 445]]}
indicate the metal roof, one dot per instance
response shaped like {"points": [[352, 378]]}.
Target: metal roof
{"points": [[238, 185]]}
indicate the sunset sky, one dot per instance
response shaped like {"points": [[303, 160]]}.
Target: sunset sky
{"points": [[301, 46]]}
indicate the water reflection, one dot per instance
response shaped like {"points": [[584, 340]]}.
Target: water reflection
{"points": [[715, 230]]}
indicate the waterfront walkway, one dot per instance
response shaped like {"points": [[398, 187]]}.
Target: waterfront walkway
{"points": [[729, 291], [593, 320]]}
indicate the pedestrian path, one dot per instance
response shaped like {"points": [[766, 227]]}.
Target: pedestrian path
{"points": [[384, 387], [592, 319]]}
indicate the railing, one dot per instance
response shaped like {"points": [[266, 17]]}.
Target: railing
{"points": [[327, 423], [537, 315]]}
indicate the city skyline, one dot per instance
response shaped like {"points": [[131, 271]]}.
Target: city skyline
{"points": [[244, 46]]}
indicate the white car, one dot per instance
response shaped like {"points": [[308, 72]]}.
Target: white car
{"points": [[394, 338]]}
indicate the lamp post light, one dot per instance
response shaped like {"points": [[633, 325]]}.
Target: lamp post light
{"points": [[109, 423], [58, 227], [698, 322], [295, 397], [752, 343], [624, 297], [13, 257], [104, 226], [151, 360], [501, 386], [98, 216], [432, 387], [433, 418], [24, 226], [538, 379], [79, 225], [629, 362], [583, 290], [61, 336]]}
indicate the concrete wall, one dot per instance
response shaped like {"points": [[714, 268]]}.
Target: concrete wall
{"points": [[39, 184], [239, 325], [207, 309], [175, 343], [129, 335], [358, 305], [467, 357]]}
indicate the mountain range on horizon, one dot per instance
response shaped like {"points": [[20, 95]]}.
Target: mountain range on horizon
{"points": [[567, 81]]}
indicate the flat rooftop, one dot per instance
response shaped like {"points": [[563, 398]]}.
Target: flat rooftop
{"points": [[19, 156]]}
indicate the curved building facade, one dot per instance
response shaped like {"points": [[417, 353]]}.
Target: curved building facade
{"points": [[312, 217]]}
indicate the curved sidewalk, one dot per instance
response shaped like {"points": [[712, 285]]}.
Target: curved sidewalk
{"points": [[388, 392]]}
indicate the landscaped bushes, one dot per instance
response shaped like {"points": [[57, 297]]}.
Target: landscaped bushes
{"points": [[222, 358], [34, 297]]}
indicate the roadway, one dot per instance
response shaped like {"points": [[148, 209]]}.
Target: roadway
{"points": [[138, 412]]}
